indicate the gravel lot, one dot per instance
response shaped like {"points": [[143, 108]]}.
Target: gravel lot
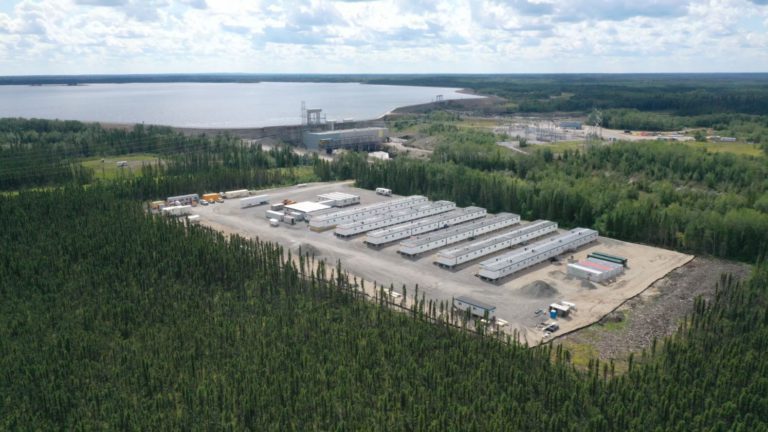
{"points": [[516, 298]]}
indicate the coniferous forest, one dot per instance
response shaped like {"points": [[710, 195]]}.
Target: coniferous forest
{"points": [[114, 319]]}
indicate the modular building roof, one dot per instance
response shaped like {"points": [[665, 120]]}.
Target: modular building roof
{"points": [[473, 302], [307, 207]]}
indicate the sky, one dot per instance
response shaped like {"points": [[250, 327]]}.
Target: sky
{"points": [[392, 36]]}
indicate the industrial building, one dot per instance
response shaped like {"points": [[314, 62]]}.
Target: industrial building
{"points": [[446, 220], [504, 265], [364, 139], [453, 257], [330, 220], [427, 242], [397, 217], [595, 270], [338, 199], [475, 307], [305, 210]]}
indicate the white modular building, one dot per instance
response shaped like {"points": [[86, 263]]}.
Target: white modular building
{"points": [[475, 307], [305, 210], [394, 218], [453, 257], [179, 210], [420, 244], [339, 199], [330, 220], [595, 270], [507, 264], [406, 230], [236, 193], [253, 201]]}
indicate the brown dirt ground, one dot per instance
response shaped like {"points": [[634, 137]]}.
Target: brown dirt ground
{"points": [[655, 313]]}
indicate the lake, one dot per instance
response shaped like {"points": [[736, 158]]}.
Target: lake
{"points": [[212, 105]]}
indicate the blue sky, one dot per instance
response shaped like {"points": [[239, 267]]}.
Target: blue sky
{"points": [[395, 36]]}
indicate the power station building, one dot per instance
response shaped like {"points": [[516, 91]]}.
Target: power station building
{"points": [[363, 139]]}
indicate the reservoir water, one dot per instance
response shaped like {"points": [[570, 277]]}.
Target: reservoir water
{"points": [[212, 105]]}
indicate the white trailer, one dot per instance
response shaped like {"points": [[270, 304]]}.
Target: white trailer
{"points": [[236, 193], [274, 214], [475, 307], [193, 219], [397, 217], [330, 220], [183, 199], [505, 265], [254, 201], [384, 191], [399, 232], [420, 244], [339, 199], [453, 257], [180, 210]]}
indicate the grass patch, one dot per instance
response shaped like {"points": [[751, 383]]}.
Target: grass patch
{"points": [[739, 148], [581, 353], [106, 168], [613, 326]]}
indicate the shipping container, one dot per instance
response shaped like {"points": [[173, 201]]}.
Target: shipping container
{"points": [[211, 197]]}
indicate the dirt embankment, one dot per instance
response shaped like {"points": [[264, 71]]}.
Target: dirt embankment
{"points": [[656, 312]]}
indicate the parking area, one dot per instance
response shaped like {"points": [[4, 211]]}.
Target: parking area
{"points": [[517, 298]]}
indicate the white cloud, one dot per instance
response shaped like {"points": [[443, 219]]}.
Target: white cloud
{"points": [[114, 36]]}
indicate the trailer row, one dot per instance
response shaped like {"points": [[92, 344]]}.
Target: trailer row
{"points": [[504, 265], [453, 257], [428, 242], [400, 216], [331, 220], [399, 232]]}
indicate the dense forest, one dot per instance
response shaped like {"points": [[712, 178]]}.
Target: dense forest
{"points": [[112, 318], [45, 152]]}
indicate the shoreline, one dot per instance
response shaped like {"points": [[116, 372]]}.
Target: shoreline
{"points": [[248, 130]]}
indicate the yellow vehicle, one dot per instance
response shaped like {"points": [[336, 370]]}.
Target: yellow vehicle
{"points": [[211, 197]]}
